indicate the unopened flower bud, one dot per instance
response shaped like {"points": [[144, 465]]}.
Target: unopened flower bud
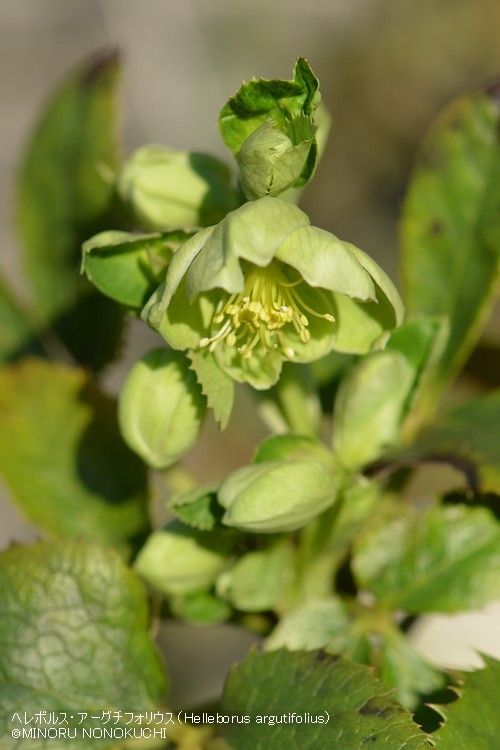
{"points": [[161, 408]]}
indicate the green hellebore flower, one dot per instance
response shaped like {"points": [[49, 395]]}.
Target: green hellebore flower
{"points": [[264, 286]]}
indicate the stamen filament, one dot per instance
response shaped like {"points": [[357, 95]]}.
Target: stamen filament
{"points": [[257, 316]]}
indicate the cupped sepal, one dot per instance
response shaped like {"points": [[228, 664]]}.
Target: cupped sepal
{"points": [[128, 267]]}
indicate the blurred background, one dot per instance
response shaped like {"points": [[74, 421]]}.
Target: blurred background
{"points": [[386, 68]]}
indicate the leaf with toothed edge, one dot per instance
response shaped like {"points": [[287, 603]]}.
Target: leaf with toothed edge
{"points": [[356, 710], [198, 508], [441, 559], [473, 721], [260, 99], [215, 384]]}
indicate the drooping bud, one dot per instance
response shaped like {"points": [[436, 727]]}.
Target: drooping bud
{"points": [[276, 496], [168, 189], [161, 408], [258, 580], [179, 559]]}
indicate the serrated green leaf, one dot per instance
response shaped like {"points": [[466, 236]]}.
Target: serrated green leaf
{"points": [[62, 457], [258, 100], [198, 508], [215, 384], [128, 267], [451, 225], [64, 185], [473, 721], [325, 623], [444, 559], [73, 638], [360, 711], [312, 625], [402, 667], [468, 433]]}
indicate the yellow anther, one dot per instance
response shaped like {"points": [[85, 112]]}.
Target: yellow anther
{"points": [[267, 303]]}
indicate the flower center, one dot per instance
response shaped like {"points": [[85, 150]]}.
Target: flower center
{"points": [[258, 313]]}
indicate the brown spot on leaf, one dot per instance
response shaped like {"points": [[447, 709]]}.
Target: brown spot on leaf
{"points": [[436, 227]]}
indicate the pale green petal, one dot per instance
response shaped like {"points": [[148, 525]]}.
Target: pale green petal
{"points": [[184, 322], [361, 327], [323, 332], [325, 261], [252, 232], [155, 309], [261, 371], [387, 294]]}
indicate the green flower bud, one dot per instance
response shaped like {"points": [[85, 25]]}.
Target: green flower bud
{"points": [[276, 129], [258, 580], [161, 408], [178, 559], [264, 286], [169, 189], [277, 496], [272, 160]]}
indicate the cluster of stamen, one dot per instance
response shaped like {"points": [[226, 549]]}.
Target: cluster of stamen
{"points": [[256, 315]]}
